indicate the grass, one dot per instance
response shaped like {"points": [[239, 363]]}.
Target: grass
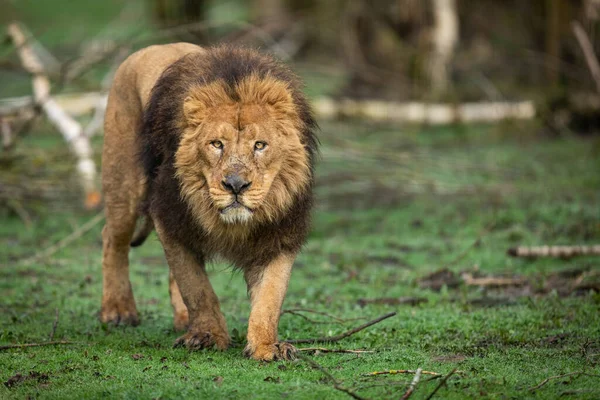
{"points": [[394, 208]]}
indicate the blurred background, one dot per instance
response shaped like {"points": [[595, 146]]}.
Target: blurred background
{"points": [[528, 68]]}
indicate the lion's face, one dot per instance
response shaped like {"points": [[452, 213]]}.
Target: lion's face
{"points": [[242, 162]]}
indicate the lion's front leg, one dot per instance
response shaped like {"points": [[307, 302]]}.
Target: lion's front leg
{"points": [[267, 287], [206, 327]]}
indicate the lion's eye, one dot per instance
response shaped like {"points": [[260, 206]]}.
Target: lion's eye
{"points": [[260, 145], [217, 144]]}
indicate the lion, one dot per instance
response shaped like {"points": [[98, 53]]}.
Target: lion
{"points": [[215, 149]]}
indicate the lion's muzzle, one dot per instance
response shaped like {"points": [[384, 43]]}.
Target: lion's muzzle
{"points": [[235, 184]]}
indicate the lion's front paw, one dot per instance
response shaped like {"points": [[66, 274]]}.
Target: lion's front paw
{"points": [[198, 340], [271, 352], [119, 313]]}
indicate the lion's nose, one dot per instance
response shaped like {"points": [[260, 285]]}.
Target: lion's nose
{"points": [[235, 184]]}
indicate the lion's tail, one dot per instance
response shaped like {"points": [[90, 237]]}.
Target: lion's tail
{"points": [[143, 232]]}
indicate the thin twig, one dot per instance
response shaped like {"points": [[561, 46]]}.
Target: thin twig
{"points": [[542, 383], [54, 325], [20, 346], [297, 311], [324, 350], [314, 321], [442, 383], [341, 336], [64, 242], [401, 371], [413, 384], [331, 378]]}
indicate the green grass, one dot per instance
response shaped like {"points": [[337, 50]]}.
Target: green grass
{"points": [[393, 206]]}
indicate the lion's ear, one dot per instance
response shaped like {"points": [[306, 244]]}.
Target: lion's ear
{"points": [[194, 110], [201, 99]]}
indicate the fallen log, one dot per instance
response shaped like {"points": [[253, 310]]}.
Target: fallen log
{"points": [[423, 113], [554, 251]]}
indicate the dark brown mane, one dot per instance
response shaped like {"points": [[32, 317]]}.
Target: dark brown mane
{"points": [[160, 136]]}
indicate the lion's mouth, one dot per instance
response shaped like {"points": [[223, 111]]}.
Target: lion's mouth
{"points": [[236, 205]]}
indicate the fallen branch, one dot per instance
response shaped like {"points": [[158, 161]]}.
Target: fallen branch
{"points": [[77, 233], [336, 384], [393, 301], [413, 384], [298, 311], [429, 113], [70, 129], [554, 251], [332, 339], [442, 383], [20, 346], [401, 371], [324, 350], [542, 383], [492, 281]]}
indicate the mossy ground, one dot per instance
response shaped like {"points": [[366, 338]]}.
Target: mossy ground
{"points": [[393, 207]]}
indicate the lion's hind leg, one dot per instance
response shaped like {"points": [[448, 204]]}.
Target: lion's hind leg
{"points": [[118, 303]]}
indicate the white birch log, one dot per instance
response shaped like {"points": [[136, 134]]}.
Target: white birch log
{"points": [[555, 251], [423, 113], [70, 129]]}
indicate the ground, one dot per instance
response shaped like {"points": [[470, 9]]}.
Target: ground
{"points": [[401, 214]]}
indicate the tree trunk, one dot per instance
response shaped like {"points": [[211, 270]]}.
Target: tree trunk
{"points": [[444, 40]]}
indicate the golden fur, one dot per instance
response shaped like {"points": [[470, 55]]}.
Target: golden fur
{"points": [[215, 148]]}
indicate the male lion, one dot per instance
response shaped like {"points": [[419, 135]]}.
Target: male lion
{"points": [[215, 149]]}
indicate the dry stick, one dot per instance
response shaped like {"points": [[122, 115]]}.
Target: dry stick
{"points": [[492, 281], [442, 383], [54, 325], [341, 336], [331, 378], [19, 346], [555, 251], [296, 311], [401, 371], [588, 52], [68, 127], [413, 384], [542, 383], [77, 233], [324, 350]]}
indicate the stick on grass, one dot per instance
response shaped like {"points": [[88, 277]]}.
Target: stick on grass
{"points": [[542, 383], [413, 384], [332, 339], [21, 346], [442, 383], [331, 378]]}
